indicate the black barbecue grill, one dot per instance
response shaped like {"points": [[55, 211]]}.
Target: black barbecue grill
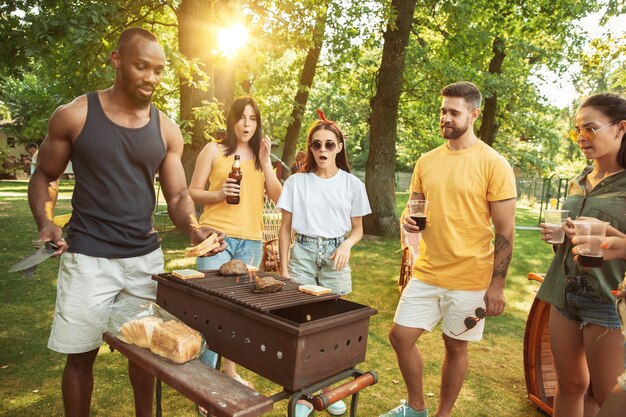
{"points": [[294, 339]]}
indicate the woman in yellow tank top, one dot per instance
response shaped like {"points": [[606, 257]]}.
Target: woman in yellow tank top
{"points": [[210, 186]]}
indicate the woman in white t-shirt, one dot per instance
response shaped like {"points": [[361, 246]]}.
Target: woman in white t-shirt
{"points": [[321, 205]]}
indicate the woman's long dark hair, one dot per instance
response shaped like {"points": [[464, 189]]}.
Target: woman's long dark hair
{"points": [[234, 115], [614, 107], [342, 157]]}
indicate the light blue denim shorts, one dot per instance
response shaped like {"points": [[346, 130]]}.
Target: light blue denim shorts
{"points": [[249, 251], [310, 264], [584, 305]]}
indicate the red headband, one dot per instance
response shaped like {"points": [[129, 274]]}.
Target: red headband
{"points": [[322, 116]]}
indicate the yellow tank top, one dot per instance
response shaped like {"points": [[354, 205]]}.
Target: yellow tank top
{"points": [[243, 220]]}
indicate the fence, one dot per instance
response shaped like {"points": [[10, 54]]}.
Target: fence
{"points": [[543, 191]]}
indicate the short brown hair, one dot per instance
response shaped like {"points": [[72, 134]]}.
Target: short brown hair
{"points": [[466, 90]]}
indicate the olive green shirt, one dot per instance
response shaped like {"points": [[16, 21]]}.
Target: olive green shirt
{"points": [[606, 202]]}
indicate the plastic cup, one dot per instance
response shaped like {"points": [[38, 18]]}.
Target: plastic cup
{"points": [[589, 237], [417, 211], [554, 219]]}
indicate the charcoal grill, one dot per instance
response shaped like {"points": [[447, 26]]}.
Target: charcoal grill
{"points": [[294, 339]]}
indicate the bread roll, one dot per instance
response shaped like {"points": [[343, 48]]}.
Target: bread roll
{"points": [[176, 341], [234, 267], [139, 331]]}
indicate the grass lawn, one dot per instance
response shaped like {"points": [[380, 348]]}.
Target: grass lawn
{"points": [[30, 373]]}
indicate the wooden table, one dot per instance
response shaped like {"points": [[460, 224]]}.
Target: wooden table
{"points": [[220, 395]]}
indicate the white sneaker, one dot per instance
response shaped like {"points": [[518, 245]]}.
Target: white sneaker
{"points": [[403, 410], [337, 409]]}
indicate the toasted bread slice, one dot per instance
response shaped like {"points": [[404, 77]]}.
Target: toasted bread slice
{"points": [[187, 273], [314, 289]]}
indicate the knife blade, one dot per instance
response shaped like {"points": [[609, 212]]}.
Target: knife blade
{"points": [[43, 252]]}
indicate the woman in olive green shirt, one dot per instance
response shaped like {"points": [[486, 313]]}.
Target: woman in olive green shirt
{"points": [[587, 344]]}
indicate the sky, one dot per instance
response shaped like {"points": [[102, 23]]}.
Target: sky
{"points": [[559, 90]]}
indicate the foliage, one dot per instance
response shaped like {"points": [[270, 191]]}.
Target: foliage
{"points": [[59, 57], [454, 41], [56, 51], [603, 66]]}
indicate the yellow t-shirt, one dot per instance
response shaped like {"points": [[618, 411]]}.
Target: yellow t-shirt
{"points": [[456, 250], [243, 220]]}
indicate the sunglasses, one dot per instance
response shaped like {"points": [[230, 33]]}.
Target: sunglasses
{"points": [[471, 322], [329, 145], [588, 133]]}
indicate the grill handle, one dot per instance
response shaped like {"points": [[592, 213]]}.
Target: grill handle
{"points": [[323, 400]]}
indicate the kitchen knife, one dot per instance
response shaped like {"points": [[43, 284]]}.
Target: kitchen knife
{"points": [[43, 252]]}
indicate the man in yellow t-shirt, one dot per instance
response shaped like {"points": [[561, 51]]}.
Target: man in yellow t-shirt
{"points": [[460, 274]]}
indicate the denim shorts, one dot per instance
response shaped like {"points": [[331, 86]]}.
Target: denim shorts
{"points": [[583, 304], [310, 264], [249, 251]]}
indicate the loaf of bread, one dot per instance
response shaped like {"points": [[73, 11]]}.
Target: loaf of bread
{"points": [[176, 341], [314, 289], [139, 331]]}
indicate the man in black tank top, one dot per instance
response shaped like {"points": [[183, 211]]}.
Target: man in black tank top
{"points": [[117, 141]]}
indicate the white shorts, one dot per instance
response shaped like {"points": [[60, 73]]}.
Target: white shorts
{"points": [[86, 284], [422, 305]]}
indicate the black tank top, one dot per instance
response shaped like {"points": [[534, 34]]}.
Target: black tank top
{"points": [[114, 195]]}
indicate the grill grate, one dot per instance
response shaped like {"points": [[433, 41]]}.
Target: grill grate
{"points": [[238, 289]]}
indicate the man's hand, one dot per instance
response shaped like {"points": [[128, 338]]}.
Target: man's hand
{"points": [[410, 226], [199, 234], [51, 233], [494, 299]]}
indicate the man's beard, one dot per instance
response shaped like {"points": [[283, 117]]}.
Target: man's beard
{"points": [[135, 96], [455, 133]]}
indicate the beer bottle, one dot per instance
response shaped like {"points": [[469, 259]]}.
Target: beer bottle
{"points": [[235, 173]]}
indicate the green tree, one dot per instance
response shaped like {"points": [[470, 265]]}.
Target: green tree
{"points": [[380, 172]]}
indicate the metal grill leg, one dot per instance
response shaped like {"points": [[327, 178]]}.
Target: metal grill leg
{"points": [[158, 394], [354, 404]]}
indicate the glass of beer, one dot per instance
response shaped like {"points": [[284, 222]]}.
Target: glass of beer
{"points": [[554, 220], [417, 211], [589, 237]]}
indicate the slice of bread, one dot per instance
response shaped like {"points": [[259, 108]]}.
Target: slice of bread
{"points": [[314, 289], [203, 247], [187, 273], [139, 331]]}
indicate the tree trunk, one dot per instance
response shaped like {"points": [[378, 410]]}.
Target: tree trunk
{"points": [[224, 84], [380, 167], [193, 35], [302, 96], [488, 127]]}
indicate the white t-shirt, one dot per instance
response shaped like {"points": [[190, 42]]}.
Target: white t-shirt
{"points": [[324, 207]]}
